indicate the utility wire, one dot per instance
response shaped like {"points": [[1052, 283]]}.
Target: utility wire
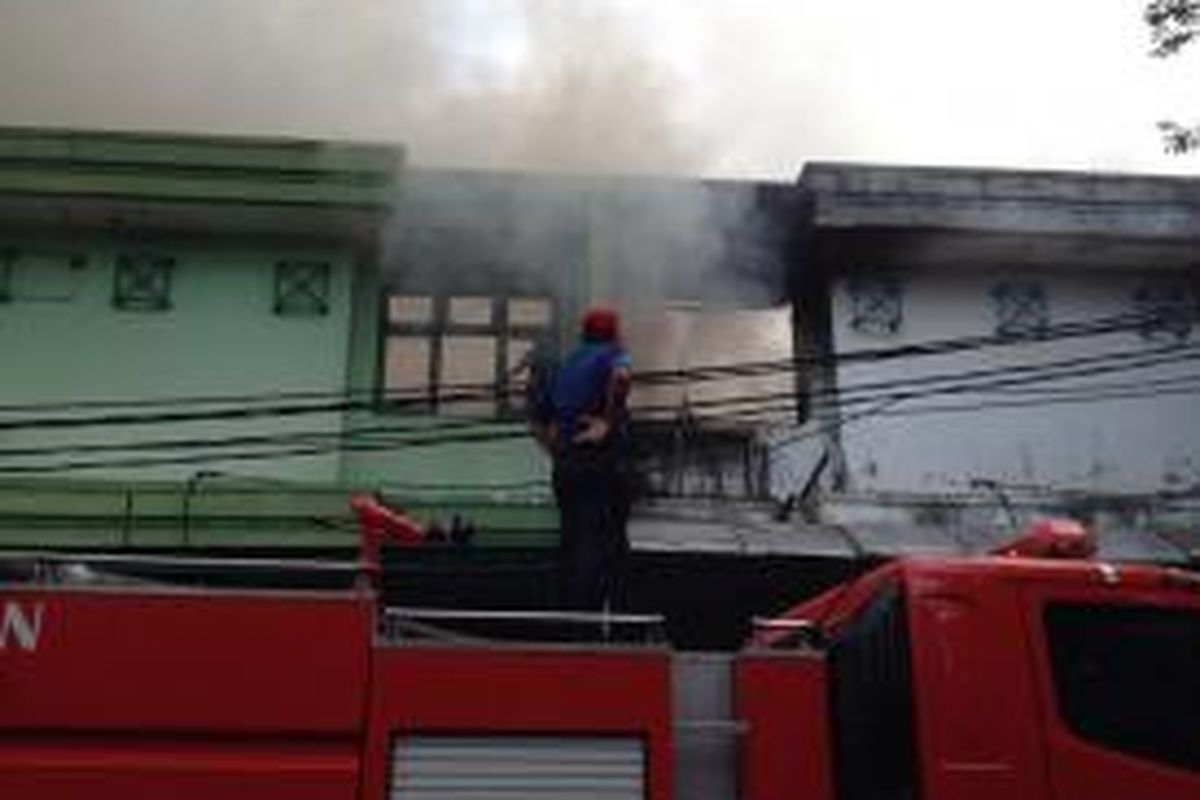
{"points": [[302, 409], [1133, 391], [345, 400], [434, 437], [998, 379]]}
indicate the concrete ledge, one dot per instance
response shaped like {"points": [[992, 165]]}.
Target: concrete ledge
{"points": [[869, 196]]}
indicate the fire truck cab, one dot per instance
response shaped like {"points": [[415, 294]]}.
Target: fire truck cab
{"points": [[998, 676], [970, 679]]}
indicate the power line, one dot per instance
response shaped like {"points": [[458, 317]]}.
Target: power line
{"points": [[980, 380], [1133, 391], [296, 403], [304, 409], [434, 437], [258, 455]]}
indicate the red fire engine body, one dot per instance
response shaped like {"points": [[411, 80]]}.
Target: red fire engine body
{"points": [[977, 678]]}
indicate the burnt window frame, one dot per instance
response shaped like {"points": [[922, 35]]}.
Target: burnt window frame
{"points": [[149, 291], [441, 326], [1122, 725]]}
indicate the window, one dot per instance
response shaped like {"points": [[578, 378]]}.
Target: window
{"points": [[302, 288], [876, 305], [1021, 308], [463, 355], [1127, 678], [1166, 308], [143, 283]]}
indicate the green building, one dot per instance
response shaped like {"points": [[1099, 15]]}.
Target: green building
{"points": [[210, 342], [189, 339]]}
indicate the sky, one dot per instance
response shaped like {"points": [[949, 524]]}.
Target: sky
{"points": [[754, 88]]}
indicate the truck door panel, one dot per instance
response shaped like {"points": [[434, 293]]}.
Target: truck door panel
{"points": [[973, 693]]}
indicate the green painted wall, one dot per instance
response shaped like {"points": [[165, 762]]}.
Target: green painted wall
{"points": [[221, 338], [62, 339]]}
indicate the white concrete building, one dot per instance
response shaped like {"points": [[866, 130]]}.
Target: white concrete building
{"points": [[1067, 303]]}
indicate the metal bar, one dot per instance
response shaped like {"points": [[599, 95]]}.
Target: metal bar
{"points": [[185, 561], [127, 522], [409, 626], [569, 617], [714, 726], [784, 624]]}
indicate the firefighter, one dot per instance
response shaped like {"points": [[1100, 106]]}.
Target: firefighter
{"points": [[584, 424]]}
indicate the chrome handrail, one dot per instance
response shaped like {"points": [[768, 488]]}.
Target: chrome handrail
{"points": [[783, 623], [790, 632], [403, 622]]}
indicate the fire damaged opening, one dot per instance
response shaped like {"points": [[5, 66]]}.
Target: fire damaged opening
{"points": [[490, 273], [711, 384]]}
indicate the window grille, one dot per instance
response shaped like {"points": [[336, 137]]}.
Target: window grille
{"points": [[302, 288], [1166, 308], [508, 767], [876, 305], [143, 283], [1021, 308]]}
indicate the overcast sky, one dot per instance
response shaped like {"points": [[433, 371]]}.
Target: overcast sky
{"points": [[747, 88]]}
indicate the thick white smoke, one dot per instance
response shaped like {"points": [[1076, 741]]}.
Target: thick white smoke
{"points": [[518, 84]]}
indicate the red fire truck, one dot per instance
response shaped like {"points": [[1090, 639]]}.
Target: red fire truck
{"points": [[1034, 673]]}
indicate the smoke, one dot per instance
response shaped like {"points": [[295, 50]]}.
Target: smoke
{"points": [[580, 92], [516, 84], [553, 87]]}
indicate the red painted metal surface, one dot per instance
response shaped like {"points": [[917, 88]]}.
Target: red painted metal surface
{"points": [[988, 721], [1080, 770], [977, 717], [1052, 538], [138, 693], [783, 700], [553, 691], [379, 524], [145, 692]]}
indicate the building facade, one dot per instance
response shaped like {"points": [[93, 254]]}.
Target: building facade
{"points": [[1015, 333], [162, 299], [211, 342]]}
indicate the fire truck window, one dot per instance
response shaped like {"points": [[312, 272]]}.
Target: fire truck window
{"points": [[1128, 678], [871, 699]]}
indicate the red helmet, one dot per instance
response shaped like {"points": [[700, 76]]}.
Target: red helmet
{"points": [[601, 324]]}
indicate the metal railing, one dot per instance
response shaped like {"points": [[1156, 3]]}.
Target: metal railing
{"points": [[402, 625], [43, 567], [791, 633]]}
